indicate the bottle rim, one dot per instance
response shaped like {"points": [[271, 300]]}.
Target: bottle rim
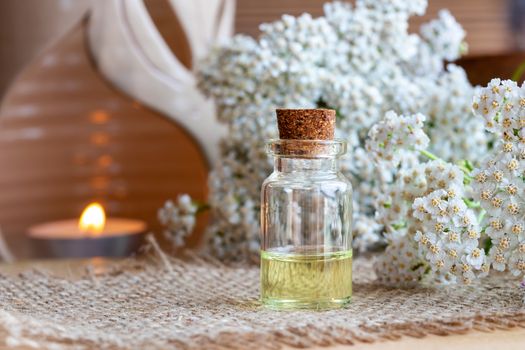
{"points": [[291, 148]]}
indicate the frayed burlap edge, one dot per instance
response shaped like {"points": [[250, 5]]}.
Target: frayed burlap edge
{"points": [[306, 337], [295, 337]]}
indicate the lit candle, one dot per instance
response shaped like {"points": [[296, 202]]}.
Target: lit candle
{"points": [[92, 235], [93, 219]]}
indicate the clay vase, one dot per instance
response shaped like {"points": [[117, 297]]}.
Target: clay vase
{"points": [[67, 137]]}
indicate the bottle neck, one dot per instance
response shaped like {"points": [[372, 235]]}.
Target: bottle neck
{"points": [[290, 165]]}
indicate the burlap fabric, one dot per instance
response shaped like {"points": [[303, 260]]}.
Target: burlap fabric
{"points": [[173, 304]]}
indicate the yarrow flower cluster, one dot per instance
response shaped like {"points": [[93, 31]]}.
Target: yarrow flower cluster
{"points": [[462, 222], [450, 239], [444, 36], [178, 219], [360, 60], [388, 139], [499, 183], [430, 230]]}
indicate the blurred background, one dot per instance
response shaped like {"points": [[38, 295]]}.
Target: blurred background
{"points": [[78, 125], [27, 26]]}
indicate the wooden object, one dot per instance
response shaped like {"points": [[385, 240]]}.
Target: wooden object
{"points": [[482, 69], [68, 138], [28, 27]]}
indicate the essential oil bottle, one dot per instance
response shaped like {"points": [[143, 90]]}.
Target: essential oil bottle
{"points": [[306, 216]]}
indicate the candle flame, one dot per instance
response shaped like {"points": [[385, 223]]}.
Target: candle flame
{"points": [[93, 219]]}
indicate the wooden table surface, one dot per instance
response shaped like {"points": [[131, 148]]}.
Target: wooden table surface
{"points": [[508, 339]]}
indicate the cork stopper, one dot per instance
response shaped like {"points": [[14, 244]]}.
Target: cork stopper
{"points": [[306, 124]]}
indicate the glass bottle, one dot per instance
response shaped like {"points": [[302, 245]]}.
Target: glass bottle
{"points": [[306, 219]]}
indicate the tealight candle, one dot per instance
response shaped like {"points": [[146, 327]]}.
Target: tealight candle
{"points": [[92, 235]]}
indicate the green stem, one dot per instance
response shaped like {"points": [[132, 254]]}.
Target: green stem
{"points": [[467, 164], [471, 204], [518, 73], [429, 155]]}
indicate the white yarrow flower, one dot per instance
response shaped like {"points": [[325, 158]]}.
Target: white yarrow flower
{"points": [[178, 219]]}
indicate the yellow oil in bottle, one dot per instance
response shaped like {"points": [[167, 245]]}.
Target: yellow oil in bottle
{"points": [[302, 280]]}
